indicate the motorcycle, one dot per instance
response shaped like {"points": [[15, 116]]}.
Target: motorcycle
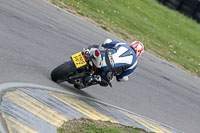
{"points": [[78, 70]]}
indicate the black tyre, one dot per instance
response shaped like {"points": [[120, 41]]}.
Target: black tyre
{"points": [[197, 17], [161, 1], [191, 3], [175, 3], [198, 8], [170, 5], [198, 20], [59, 73], [186, 10]]}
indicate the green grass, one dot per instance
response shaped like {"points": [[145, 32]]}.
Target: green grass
{"points": [[91, 126], [166, 32]]}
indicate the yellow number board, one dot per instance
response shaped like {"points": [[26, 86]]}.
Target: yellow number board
{"points": [[78, 60]]}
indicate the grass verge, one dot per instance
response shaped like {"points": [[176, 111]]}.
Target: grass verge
{"points": [[166, 32], [91, 126]]}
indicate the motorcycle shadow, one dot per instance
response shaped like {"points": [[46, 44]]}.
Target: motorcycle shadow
{"points": [[75, 90]]}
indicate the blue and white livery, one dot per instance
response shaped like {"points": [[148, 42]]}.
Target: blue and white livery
{"points": [[123, 55]]}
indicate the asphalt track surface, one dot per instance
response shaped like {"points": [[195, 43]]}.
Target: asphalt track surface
{"points": [[35, 37]]}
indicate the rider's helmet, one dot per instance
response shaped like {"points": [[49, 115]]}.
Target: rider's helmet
{"points": [[138, 47]]}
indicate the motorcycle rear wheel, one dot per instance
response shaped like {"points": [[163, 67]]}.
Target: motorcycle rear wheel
{"points": [[59, 73]]}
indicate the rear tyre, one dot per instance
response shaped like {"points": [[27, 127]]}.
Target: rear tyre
{"points": [[59, 73]]}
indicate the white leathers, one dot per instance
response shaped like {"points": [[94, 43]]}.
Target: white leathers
{"points": [[120, 51], [126, 59], [125, 78], [116, 56], [122, 58]]}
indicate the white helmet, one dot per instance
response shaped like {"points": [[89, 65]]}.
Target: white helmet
{"points": [[107, 41]]}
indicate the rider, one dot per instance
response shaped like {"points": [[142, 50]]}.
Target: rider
{"points": [[115, 59]]}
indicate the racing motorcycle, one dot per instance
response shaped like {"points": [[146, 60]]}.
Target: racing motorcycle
{"points": [[79, 69]]}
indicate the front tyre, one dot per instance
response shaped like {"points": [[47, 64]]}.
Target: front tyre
{"points": [[59, 73]]}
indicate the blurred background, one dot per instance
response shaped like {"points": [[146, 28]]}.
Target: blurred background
{"points": [[190, 8]]}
